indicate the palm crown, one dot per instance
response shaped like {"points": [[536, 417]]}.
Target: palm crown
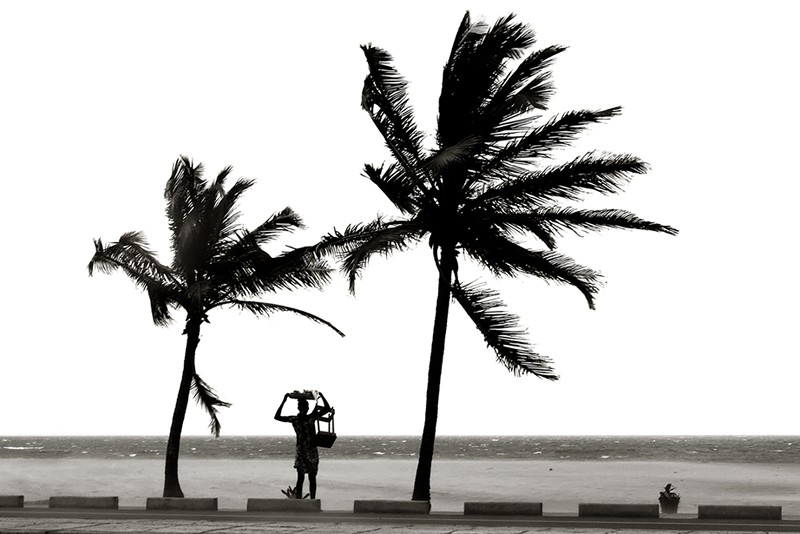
{"points": [[482, 189], [215, 261]]}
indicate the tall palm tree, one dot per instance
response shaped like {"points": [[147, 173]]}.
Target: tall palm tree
{"points": [[215, 263], [485, 186]]}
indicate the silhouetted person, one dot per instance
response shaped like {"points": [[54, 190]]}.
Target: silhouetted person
{"points": [[306, 459]]}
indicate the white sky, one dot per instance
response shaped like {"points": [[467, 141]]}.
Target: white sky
{"points": [[694, 334]]}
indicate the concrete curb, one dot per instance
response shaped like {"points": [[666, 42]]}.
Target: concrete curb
{"points": [[503, 508], [617, 510], [105, 503], [284, 505], [490, 508], [182, 503], [391, 507], [707, 511], [12, 501]]}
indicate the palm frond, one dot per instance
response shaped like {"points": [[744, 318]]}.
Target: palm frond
{"points": [[385, 98], [224, 215], [529, 86], [182, 193], [339, 244], [467, 39], [512, 224], [560, 219], [219, 183], [385, 241], [507, 38], [130, 249], [253, 272], [591, 173], [131, 255], [474, 75], [455, 154], [202, 215], [467, 36], [394, 183], [505, 258], [501, 330], [266, 309], [506, 42], [548, 222], [517, 155], [241, 251], [286, 220], [162, 299], [455, 98], [297, 268], [208, 399], [189, 243]]}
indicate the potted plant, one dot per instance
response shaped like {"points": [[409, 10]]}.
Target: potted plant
{"points": [[669, 499]]}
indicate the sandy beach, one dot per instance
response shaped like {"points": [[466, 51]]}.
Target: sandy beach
{"points": [[560, 485]]}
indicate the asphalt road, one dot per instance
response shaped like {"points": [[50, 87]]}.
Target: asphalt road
{"points": [[140, 521]]}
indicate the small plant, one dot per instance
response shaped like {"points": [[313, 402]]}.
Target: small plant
{"points": [[669, 499], [292, 494]]}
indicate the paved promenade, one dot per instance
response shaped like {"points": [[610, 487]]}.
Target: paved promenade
{"points": [[137, 521]]}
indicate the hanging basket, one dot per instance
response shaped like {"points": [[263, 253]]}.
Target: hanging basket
{"points": [[325, 438]]}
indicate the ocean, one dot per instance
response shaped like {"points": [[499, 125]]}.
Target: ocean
{"points": [[729, 449]]}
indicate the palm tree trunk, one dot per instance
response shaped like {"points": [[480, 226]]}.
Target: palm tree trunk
{"points": [[422, 481], [172, 486]]}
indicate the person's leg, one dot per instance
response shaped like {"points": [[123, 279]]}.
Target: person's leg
{"points": [[298, 489], [312, 485]]}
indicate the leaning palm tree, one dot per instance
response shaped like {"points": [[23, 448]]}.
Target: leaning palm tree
{"points": [[215, 263], [485, 186]]}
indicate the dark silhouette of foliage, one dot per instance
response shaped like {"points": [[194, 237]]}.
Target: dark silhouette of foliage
{"points": [[488, 183], [215, 263]]}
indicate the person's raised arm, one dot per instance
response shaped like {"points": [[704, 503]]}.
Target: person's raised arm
{"points": [[278, 416], [329, 417], [324, 409]]}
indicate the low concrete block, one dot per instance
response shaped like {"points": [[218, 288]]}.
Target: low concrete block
{"points": [[284, 505], [12, 501], [502, 508], [738, 512], [107, 503], [617, 510], [182, 503], [391, 507]]}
